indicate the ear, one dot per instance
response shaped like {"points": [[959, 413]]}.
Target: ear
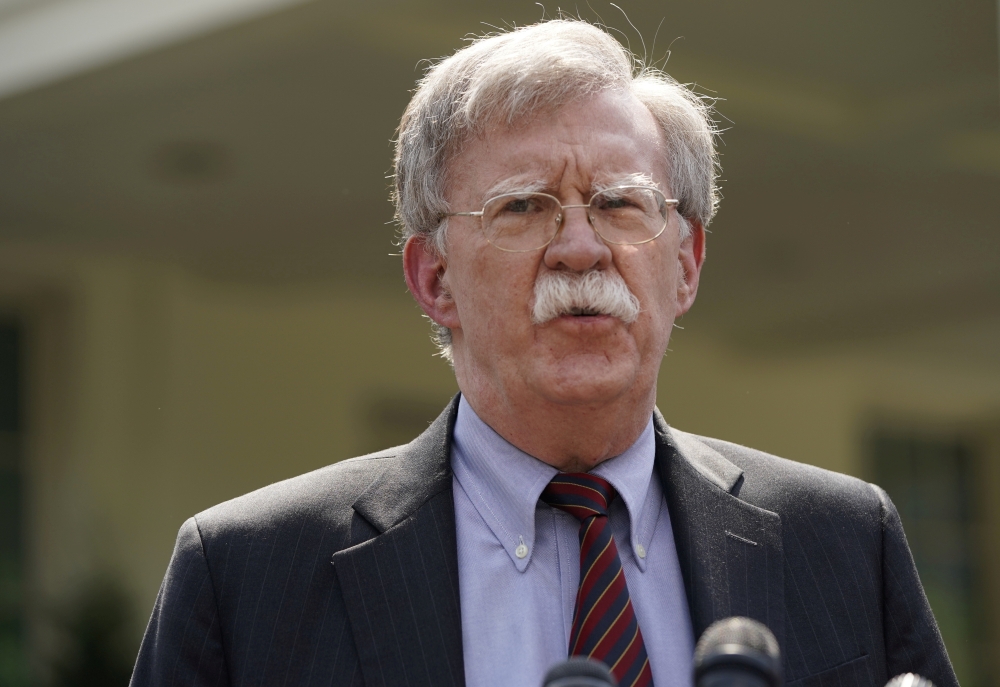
{"points": [[690, 258], [426, 278]]}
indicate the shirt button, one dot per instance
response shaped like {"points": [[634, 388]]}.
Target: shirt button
{"points": [[521, 551], [640, 550]]}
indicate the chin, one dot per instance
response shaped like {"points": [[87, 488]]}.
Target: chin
{"points": [[583, 378]]}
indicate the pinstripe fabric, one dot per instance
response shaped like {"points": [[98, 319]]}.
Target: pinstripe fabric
{"points": [[817, 556], [251, 598], [604, 623], [292, 585], [392, 585], [222, 624]]}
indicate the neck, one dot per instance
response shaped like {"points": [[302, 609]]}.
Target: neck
{"points": [[570, 437]]}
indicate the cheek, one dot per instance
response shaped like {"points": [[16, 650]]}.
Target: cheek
{"points": [[659, 299], [655, 274], [494, 288]]}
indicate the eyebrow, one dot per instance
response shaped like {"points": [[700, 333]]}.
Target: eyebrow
{"points": [[516, 185], [635, 179]]}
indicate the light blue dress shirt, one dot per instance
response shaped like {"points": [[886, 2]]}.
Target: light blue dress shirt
{"points": [[519, 560]]}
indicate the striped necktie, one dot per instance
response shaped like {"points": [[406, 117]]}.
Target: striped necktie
{"points": [[604, 622]]}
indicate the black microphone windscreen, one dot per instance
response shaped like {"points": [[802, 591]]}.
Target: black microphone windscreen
{"points": [[578, 671], [737, 646], [909, 680]]}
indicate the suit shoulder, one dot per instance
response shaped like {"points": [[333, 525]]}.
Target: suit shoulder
{"points": [[777, 483], [321, 498]]}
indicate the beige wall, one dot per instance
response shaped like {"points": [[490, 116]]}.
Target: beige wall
{"points": [[155, 394]]}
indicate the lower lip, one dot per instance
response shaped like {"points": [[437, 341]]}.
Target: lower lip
{"points": [[586, 319]]}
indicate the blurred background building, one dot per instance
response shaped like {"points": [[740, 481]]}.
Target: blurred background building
{"points": [[199, 293]]}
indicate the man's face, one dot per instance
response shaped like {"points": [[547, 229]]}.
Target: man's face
{"points": [[485, 295]]}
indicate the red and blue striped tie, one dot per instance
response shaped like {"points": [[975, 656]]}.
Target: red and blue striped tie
{"points": [[604, 622]]}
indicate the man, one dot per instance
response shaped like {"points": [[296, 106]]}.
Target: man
{"points": [[554, 207]]}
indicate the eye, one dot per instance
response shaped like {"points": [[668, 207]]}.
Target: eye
{"points": [[518, 205], [523, 205], [627, 200], [613, 203], [614, 200]]}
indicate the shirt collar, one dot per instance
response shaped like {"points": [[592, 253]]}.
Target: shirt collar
{"points": [[630, 474], [504, 483]]}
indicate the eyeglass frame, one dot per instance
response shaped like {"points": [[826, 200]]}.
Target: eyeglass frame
{"points": [[670, 202]]}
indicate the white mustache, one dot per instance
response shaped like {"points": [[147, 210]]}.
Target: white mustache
{"points": [[594, 292]]}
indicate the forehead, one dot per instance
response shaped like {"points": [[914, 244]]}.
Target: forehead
{"points": [[582, 144]]}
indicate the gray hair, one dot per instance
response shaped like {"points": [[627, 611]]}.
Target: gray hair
{"points": [[505, 78]]}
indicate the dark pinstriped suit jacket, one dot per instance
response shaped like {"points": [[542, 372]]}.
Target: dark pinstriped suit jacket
{"points": [[348, 575]]}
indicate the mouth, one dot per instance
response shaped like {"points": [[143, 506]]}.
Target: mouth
{"points": [[584, 312]]}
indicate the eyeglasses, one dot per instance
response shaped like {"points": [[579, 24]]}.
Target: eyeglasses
{"points": [[623, 215]]}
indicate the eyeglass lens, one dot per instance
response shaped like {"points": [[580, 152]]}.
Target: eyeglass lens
{"points": [[622, 215]]}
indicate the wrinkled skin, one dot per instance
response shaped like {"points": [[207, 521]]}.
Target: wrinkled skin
{"points": [[576, 390]]}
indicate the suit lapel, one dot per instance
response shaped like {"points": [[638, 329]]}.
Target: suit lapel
{"points": [[401, 586], [730, 552]]}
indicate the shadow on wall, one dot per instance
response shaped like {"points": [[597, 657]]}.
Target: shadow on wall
{"points": [[95, 637]]}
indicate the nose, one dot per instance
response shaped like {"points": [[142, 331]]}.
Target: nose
{"points": [[577, 247]]}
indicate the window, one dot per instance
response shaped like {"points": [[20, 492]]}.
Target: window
{"points": [[13, 662], [931, 479]]}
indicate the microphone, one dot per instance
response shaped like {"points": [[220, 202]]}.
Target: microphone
{"points": [[909, 680], [739, 652], [578, 671]]}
